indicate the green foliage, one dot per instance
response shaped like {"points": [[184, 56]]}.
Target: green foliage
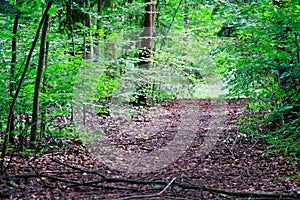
{"points": [[262, 62], [180, 62]]}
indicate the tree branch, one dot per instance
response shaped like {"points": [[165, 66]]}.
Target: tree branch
{"points": [[99, 184], [150, 195]]}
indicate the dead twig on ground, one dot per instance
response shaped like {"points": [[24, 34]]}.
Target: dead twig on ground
{"points": [[106, 180], [149, 195]]}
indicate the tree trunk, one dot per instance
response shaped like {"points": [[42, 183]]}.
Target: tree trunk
{"points": [[97, 37], [43, 90], [99, 12], [12, 75], [145, 51], [147, 36], [88, 43], [16, 94], [35, 109]]}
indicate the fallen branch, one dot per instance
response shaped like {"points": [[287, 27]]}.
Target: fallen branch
{"points": [[99, 184], [39, 175], [96, 184], [150, 195]]}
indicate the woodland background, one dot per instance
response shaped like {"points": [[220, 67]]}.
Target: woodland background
{"points": [[163, 49]]}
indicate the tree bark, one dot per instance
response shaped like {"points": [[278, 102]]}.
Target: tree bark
{"points": [[87, 24], [43, 90], [145, 52], [35, 109], [147, 36], [12, 75]]}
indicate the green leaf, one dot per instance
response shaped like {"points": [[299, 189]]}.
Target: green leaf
{"points": [[52, 10], [285, 108], [285, 74]]}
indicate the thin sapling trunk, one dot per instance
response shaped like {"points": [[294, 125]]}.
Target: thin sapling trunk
{"points": [[35, 109]]}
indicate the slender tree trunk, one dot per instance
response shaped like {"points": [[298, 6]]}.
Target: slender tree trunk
{"points": [[99, 21], [35, 109], [16, 94], [99, 26], [12, 75], [43, 124], [87, 23], [99, 11], [86, 48], [69, 19]]}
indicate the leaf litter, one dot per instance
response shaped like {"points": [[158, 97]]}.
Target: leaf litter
{"points": [[236, 162]]}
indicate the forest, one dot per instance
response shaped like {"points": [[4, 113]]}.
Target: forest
{"points": [[149, 99]]}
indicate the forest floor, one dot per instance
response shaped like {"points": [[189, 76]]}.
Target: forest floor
{"points": [[214, 160]]}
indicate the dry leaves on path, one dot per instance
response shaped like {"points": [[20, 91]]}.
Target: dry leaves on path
{"points": [[235, 163]]}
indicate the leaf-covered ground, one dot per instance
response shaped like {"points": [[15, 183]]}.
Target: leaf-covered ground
{"points": [[231, 163]]}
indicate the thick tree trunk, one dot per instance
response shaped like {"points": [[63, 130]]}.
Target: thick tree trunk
{"points": [[145, 52], [147, 36], [35, 109]]}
